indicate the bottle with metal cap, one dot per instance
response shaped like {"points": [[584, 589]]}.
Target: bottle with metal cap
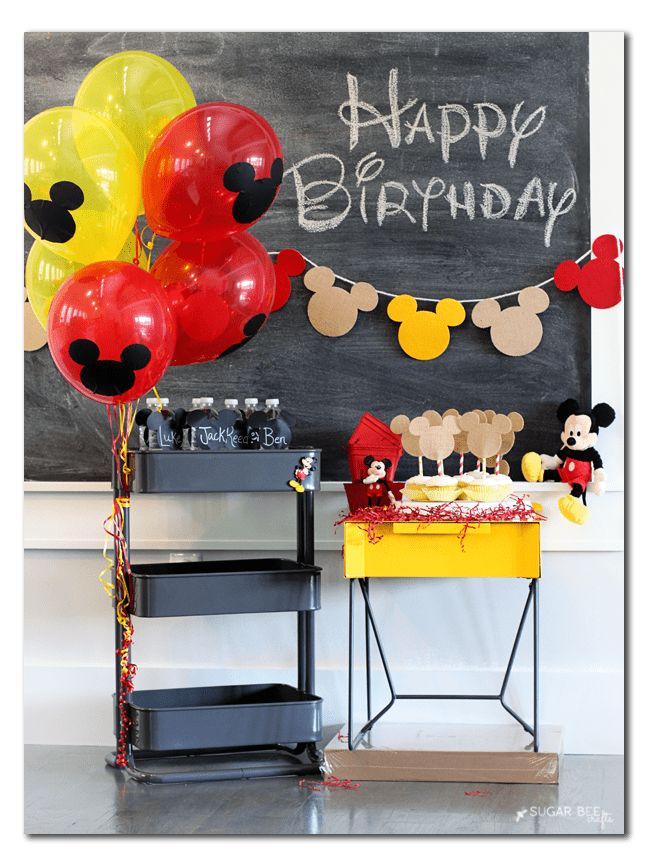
{"points": [[251, 406], [272, 407], [153, 404], [198, 404]]}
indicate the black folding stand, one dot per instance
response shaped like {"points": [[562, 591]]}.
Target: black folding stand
{"points": [[370, 622]]}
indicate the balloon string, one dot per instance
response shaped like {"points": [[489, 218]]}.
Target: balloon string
{"points": [[121, 419], [141, 245], [138, 245], [159, 399]]}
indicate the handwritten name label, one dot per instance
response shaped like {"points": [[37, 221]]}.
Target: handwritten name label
{"points": [[229, 437], [326, 190]]}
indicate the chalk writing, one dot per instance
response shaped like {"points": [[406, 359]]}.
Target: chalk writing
{"points": [[325, 197]]}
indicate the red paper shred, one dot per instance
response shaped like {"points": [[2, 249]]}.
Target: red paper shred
{"points": [[477, 793], [513, 508], [330, 782]]}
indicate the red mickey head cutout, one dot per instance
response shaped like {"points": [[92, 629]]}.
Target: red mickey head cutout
{"points": [[289, 263], [599, 281]]}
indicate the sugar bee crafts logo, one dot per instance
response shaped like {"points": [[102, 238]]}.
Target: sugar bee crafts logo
{"points": [[589, 814]]}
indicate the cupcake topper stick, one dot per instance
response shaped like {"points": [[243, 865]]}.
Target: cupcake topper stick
{"points": [[439, 467]]}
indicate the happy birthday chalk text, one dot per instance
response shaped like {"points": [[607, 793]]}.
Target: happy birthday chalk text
{"points": [[326, 196]]}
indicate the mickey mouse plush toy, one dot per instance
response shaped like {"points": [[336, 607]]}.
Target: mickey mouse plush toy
{"points": [[376, 480], [577, 457]]}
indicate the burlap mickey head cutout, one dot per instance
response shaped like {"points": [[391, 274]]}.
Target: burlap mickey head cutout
{"points": [[35, 336], [517, 330], [436, 436], [333, 311], [424, 334], [508, 441], [484, 434], [400, 425]]}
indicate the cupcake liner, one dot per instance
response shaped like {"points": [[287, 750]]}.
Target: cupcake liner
{"points": [[446, 493], [486, 492]]}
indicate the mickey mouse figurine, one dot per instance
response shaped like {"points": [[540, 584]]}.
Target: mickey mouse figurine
{"points": [[376, 480], [579, 435], [302, 471]]}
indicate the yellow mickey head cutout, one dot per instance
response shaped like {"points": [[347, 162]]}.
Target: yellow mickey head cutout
{"points": [[517, 330], [424, 334], [333, 311]]}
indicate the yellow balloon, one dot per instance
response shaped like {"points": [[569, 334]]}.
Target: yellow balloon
{"points": [[82, 184], [45, 272], [138, 92]]}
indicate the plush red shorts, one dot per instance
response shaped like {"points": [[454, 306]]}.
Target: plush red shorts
{"points": [[576, 472]]}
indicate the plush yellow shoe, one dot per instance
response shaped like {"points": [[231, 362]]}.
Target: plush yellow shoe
{"points": [[532, 467], [573, 509]]}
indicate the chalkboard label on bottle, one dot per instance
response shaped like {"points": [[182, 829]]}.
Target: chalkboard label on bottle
{"points": [[268, 433]]}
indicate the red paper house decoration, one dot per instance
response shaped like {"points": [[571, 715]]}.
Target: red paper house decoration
{"points": [[372, 438]]}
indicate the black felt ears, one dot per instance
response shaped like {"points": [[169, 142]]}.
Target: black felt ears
{"points": [[276, 172], [136, 356], [368, 461], [567, 408], [66, 194], [84, 352], [239, 176], [603, 414]]}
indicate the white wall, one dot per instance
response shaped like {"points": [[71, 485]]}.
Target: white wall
{"points": [[442, 635]]}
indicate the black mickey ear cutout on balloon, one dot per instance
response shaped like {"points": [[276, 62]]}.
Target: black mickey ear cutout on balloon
{"points": [[276, 172], [51, 219], [66, 194], [136, 356], [84, 352], [254, 196], [250, 329], [239, 177]]}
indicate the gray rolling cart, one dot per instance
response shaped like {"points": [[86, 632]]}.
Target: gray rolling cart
{"points": [[234, 731]]}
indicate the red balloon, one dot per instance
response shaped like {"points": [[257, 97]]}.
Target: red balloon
{"points": [[220, 294], [213, 171], [110, 331]]}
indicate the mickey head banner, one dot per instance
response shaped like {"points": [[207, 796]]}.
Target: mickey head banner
{"points": [[515, 329]]}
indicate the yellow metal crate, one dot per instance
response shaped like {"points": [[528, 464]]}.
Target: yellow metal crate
{"points": [[412, 549]]}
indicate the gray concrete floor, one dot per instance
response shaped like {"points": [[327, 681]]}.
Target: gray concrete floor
{"points": [[69, 790]]}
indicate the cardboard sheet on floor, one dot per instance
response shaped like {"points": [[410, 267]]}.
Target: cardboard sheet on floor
{"points": [[446, 753]]}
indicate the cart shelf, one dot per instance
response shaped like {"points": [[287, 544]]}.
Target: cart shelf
{"points": [[224, 586], [220, 471], [224, 717]]}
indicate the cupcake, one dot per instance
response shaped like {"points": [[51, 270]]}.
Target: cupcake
{"points": [[441, 488], [485, 487], [415, 488]]}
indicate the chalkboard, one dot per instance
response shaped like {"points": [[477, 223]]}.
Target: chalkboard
{"points": [[313, 87]]}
